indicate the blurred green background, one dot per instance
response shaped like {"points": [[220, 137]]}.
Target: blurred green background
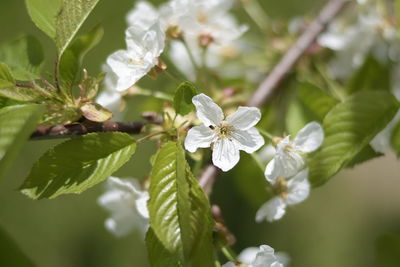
{"points": [[337, 226]]}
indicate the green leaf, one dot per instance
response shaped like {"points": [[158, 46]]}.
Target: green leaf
{"points": [[318, 101], [11, 254], [159, 256], [349, 127], [16, 124], [9, 89], [72, 58], [364, 155], [372, 75], [179, 211], [24, 56], [43, 13], [70, 18], [78, 164], [395, 138], [183, 98], [5, 102], [95, 112]]}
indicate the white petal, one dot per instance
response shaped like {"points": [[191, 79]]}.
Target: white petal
{"points": [[244, 118], [285, 164], [110, 100], [283, 258], [207, 111], [141, 204], [272, 210], [143, 14], [180, 57], [298, 188], [249, 140], [266, 258], [126, 204], [382, 141], [266, 154], [127, 69], [309, 138], [198, 136], [272, 171], [287, 161], [121, 226], [145, 41], [225, 155], [248, 255]]}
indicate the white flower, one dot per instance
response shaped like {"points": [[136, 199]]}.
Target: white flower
{"points": [[289, 159], [209, 20], [290, 191], [260, 257], [127, 205], [144, 46], [143, 14], [226, 135]]}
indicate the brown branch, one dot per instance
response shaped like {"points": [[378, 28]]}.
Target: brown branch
{"points": [[70, 130], [279, 72], [288, 61]]}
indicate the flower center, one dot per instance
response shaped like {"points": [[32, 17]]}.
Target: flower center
{"points": [[224, 130], [134, 61], [280, 188], [202, 17]]}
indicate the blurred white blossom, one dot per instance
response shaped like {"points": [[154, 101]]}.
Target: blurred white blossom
{"points": [[289, 156], [353, 36], [289, 191], [227, 136], [264, 256], [144, 46], [127, 204]]}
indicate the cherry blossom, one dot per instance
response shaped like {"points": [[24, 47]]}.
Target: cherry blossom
{"points": [[227, 136], [289, 157], [289, 191], [144, 46]]}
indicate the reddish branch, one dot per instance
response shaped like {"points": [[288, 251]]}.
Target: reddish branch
{"points": [[279, 72], [69, 130]]}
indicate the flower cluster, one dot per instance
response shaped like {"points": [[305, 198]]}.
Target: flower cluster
{"points": [[287, 172], [199, 33]]}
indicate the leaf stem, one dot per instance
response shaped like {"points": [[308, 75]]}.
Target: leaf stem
{"points": [[149, 136], [228, 253], [156, 94]]}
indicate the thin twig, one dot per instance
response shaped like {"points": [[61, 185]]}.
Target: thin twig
{"points": [[279, 72]]}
